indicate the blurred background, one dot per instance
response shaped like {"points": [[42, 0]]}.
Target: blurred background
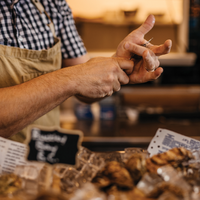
{"points": [[131, 117]]}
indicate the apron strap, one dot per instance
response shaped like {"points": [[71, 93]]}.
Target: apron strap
{"points": [[41, 9]]}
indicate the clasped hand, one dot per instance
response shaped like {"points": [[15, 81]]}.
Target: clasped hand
{"points": [[146, 69], [100, 77]]}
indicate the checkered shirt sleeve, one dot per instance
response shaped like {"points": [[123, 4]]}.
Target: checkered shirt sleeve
{"points": [[22, 25]]}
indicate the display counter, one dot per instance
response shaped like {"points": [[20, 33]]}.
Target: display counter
{"points": [[119, 134]]}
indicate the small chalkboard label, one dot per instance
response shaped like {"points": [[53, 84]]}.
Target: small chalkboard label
{"points": [[53, 145]]}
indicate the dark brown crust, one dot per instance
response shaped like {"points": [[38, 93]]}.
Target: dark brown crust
{"points": [[174, 157], [114, 174]]}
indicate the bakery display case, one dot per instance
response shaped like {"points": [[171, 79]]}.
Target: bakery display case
{"points": [[130, 174]]}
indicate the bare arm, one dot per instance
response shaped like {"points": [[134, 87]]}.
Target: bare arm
{"points": [[24, 103]]}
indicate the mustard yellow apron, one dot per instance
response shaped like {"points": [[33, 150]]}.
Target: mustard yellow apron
{"points": [[21, 65]]}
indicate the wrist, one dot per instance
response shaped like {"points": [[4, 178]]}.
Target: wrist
{"points": [[70, 80]]}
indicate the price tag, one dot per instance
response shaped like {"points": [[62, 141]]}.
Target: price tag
{"points": [[11, 154], [166, 139], [53, 145]]}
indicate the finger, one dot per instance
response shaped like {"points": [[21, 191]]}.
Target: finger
{"points": [[109, 94], [151, 61], [134, 48], [147, 25], [154, 75], [162, 49], [128, 71], [125, 65], [128, 67], [116, 87]]}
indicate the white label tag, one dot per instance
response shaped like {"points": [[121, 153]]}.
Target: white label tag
{"points": [[11, 154], [165, 140]]}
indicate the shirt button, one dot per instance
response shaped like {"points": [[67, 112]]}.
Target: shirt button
{"points": [[20, 39]]}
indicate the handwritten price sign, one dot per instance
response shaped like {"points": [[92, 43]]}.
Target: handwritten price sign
{"points": [[53, 145]]}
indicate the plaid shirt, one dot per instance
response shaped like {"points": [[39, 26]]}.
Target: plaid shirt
{"points": [[22, 25]]}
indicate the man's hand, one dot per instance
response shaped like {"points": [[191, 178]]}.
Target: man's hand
{"points": [[143, 70], [99, 77]]}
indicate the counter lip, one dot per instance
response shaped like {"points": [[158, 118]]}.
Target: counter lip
{"points": [[173, 59], [134, 140]]}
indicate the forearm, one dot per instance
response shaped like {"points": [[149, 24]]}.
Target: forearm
{"points": [[75, 61], [24, 103], [87, 100]]}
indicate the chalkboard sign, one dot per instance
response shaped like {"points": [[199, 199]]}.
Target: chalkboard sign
{"points": [[53, 145]]}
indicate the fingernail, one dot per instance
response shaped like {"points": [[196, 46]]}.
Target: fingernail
{"points": [[153, 19], [151, 70], [127, 45]]}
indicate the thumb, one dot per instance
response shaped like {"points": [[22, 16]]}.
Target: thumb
{"points": [[147, 25]]}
